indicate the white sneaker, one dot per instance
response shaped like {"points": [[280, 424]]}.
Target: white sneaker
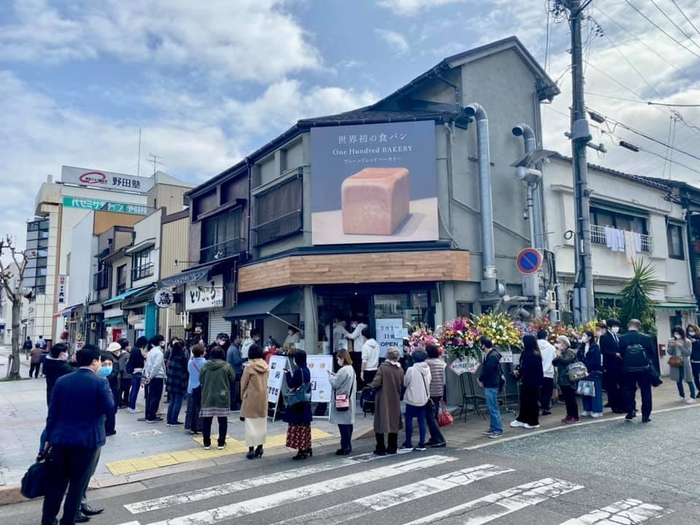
{"points": [[597, 414], [681, 400], [133, 410], [691, 401], [586, 414], [530, 427], [517, 424]]}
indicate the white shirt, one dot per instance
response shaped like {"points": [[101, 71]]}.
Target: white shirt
{"points": [[548, 352], [246, 346], [370, 355]]}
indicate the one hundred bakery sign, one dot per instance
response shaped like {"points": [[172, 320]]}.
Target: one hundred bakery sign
{"points": [[106, 180], [374, 183]]}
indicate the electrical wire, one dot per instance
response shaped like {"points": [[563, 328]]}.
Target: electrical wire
{"points": [[674, 23], [646, 102], [686, 17]]}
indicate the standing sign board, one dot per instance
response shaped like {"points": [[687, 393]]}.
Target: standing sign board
{"points": [[276, 378], [319, 366], [390, 333]]}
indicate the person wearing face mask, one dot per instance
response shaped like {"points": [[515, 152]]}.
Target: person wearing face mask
{"points": [[293, 337], [693, 333], [681, 348], [344, 386], [75, 436], [56, 366], [565, 356], [593, 405], [134, 366], [106, 370], [612, 364]]}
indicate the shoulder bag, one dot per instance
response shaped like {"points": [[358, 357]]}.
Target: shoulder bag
{"points": [[342, 401], [429, 405], [299, 395], [35, 480]]}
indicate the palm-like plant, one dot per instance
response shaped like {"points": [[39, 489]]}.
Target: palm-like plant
{"points": [[635, 297]]}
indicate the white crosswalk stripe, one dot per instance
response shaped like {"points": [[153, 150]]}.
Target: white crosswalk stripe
{"points": [[391, 498], [494, 506], [626, 512], [255, 505]]}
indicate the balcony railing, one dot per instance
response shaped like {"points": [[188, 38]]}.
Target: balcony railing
{"points": [[598, 237], [277, 229], [141, 272], [222, 250]]}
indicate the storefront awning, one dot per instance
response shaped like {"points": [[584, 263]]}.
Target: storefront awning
{"points": [[143, 296], [119, 298], [67, 311], [255, 308], [113, 321], [188, 276], [675, 306]]}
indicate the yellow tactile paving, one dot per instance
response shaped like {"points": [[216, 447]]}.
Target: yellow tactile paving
{"points": [[130, 466]]}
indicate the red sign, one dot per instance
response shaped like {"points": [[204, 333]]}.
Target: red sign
{"points": [[93, 177], [529, 261]]}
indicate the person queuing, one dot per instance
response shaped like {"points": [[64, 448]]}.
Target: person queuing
{"points": [[299, 416], [612, 363], [35, 361], [154, 377], [176, 383], [491, 380], [125, 377], [193, 421], [216, 378], [680, 348], [56, 366], [417, 397], [565, 355], [254, 401], [548, 353], [387, 386], [529, 373], [235, 359], [437, 391], [135, 366], [592, 358], [106, 370], [344, 384], [637, 351], [693, 334], [370, 360]]}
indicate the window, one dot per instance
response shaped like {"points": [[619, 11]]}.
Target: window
{"points": [[142, 264], [121, 279], [103, 277], [674, 234], [620, 221], [221, 236], [278, 212]]}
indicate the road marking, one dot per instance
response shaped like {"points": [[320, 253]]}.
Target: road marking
{"points": [[625, 512], [494, 506], [384, 500], [237, 486], [302, 492], [131, 523]]}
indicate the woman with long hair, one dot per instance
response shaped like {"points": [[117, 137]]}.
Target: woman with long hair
{"points": [[299, 416], [682, 348], [592, 358], [254, 396], [343, 403], [529, 373]]}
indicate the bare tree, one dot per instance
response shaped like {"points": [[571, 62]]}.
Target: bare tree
{"points": [[11, 281]]}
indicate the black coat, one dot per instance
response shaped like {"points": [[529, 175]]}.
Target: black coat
{"points": [[301, 412], [592, 359], [634, 337], [53, 369], [609, 347], [490, 375], [530, 368]]}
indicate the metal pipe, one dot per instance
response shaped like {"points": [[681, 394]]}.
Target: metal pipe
{"points": [[488, 248], [525, 131]]}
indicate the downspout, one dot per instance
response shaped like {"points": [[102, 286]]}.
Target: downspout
{"points": [[489, 282], [525, 131]]}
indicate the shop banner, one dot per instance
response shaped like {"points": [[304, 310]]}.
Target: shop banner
{"points": [[102, 205], [62, 288], [390, 333], [319, 366], [374, 183], [275, 378], [464, 365], [205, 294], [106, 180]]}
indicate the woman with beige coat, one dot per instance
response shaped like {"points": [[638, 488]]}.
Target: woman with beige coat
{"points": [[254, 396], [387, 402]]}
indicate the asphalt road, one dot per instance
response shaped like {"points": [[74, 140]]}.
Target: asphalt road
{"points": [[605, 473]]}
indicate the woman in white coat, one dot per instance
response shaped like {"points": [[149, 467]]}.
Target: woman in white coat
{"points": [[343, 401]]}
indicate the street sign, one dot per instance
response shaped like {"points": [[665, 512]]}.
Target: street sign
{"points": [[163, 298], [529, 261]]}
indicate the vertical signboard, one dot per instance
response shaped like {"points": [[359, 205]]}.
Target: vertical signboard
{"points": [[390, 333], [62, 288], [319, 366]]}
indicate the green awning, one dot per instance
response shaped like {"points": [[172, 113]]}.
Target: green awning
{"points": [[257, 308], [676, 306], [119, 298]]}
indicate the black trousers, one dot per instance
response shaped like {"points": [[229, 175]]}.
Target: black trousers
{"points": [[546, 391], [206, 430], [34, 369], [529, 405], [696, 375], [70, 467], [155, 392], [570, 400], [393, 443], [368, 376], [612, 383], [632, 380], [345, 437]]}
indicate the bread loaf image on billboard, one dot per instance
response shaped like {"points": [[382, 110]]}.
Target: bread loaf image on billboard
{"points": [[375, 201]]}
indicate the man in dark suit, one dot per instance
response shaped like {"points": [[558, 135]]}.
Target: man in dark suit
{"points": [[612, 364], [637, 377], [76, 434]]}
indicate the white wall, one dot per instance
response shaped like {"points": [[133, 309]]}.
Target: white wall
{"points": [[83, 264], [149, 228]]}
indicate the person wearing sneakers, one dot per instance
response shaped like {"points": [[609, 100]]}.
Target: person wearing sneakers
{"points": [[490, 380], [529, 373], [134, 366], [637, 351], [565, 356], [681, 348], [154, 377], [593, 359], [548, 355], [417, 396], [216, 378]]}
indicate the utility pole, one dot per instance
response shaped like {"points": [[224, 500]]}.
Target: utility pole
{"points": [[584, 308]]}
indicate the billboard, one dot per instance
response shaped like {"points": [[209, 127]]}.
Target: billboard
{"points": [[98, 204], [105, 180], [374, 183]]}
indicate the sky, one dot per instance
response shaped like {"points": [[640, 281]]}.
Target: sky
{"points": [[208, 82]]}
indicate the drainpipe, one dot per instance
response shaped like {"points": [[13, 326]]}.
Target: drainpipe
{"points": [[489, 283], [525, 131]]}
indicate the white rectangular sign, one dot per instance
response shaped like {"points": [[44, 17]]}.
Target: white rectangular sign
{"points": [[105, 180], [319, 366], [390, 334], [205, 294], [275, 378], [62, 288]]}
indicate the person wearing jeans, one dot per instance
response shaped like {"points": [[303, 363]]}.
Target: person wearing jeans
{"points": [[593, 405], [176, 382], [417, 396], [490, 380], [135, 366], [682, 348]]}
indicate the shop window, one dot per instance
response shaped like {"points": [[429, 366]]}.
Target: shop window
{"points": [[465, 309], [142, 264], [278, 212], [674, 235], [221, 236]]}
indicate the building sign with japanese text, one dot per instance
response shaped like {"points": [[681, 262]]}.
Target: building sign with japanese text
{"points": [[98, 204], [374, 183], [106, 180], [205, 294], [62, 288]]}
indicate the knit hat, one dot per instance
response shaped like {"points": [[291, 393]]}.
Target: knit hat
{"points": [[419, 355], [114, 347]]}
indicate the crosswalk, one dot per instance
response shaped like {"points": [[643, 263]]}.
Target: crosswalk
{"points": [[414, 487]]}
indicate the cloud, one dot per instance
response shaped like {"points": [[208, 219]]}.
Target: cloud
{"points": [[252, 40], [395, 40], [414, 7]]}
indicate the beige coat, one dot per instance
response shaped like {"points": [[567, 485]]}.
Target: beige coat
{"points": [[387, 402], [254, 389]]}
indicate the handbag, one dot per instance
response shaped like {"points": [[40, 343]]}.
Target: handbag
{"points": [[675, 362], [342, 401], [34, 481], [586, 388], [445, 419], [576, 371], [297, 396]]}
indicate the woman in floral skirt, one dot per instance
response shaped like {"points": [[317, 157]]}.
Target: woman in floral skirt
{"points": [[299, 416]]}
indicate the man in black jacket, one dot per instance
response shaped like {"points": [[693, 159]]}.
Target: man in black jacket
{"points": [[490, 381], [55, 367], [634, 376], [612, 364]]}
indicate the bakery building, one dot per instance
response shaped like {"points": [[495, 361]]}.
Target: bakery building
{"points": [[375, 215]]}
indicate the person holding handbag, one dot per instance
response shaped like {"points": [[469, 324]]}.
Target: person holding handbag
{"points": [[680, 349], [344, 386], [592, 358], [417, 397], [565, 357], [299, 416]]}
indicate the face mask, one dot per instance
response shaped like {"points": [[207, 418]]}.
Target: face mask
{"points": [[615, 329], [677, 336], [105, 371], [353, 325], [340, 362], [557, 346], [691, 334], [584, 338], [290, 332]]}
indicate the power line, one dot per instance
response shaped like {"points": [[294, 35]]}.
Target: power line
{"points": [[686, 17], [674, 23], [646, 102]]}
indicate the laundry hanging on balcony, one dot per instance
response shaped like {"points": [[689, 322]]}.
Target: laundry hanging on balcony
{"points": [[615, 239], [633, 245], [623, 241]]}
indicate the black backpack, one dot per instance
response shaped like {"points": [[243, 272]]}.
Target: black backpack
{"points": [[367, 401], [635, 359]]}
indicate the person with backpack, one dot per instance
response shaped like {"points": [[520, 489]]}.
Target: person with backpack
{"points": [[637, 351], [592, 358], [491, 380], [565, 357]]}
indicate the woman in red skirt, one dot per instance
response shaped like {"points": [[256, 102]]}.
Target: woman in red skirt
{"points": [[299, 415]]}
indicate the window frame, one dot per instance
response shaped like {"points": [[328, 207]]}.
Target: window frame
{"points": [[673, 226], [227, 238], [142, 265]]}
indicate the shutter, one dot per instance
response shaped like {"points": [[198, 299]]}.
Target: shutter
{"points": [[217, 323]]}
